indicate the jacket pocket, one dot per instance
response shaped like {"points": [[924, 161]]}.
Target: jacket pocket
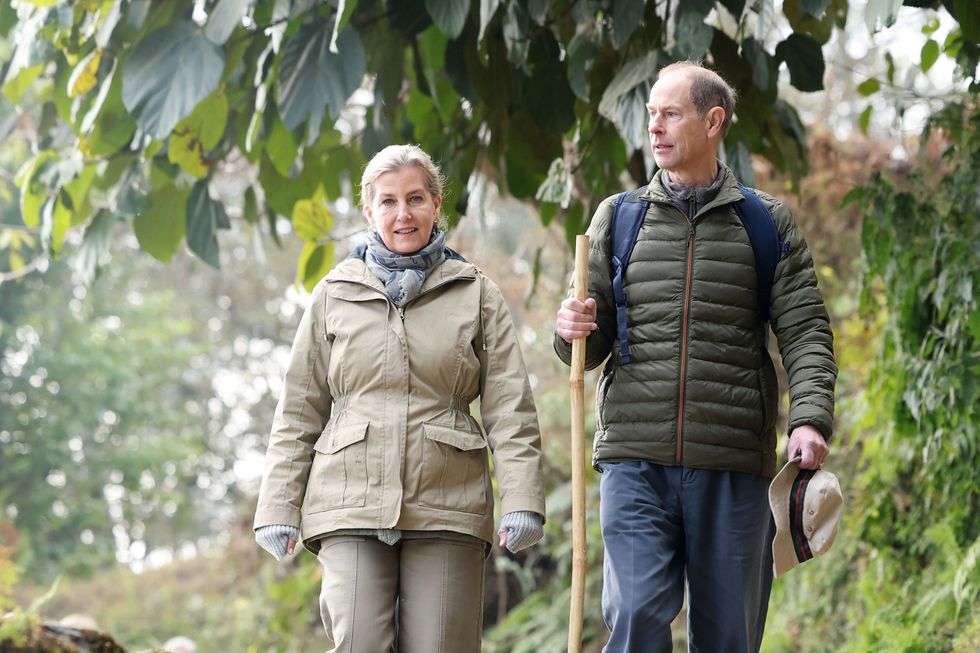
{"points": [[454, 470], [338, 478]]}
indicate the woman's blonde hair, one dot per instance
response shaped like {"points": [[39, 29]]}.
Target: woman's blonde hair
{"points": [[396, 157]]}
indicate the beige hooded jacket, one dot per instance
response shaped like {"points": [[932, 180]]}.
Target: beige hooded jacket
{"points": [[373, 427]]}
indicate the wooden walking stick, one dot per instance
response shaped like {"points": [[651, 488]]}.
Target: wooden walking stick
{"points": [[576, 382]]}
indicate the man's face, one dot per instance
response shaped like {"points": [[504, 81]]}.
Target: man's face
{"points": [[678, 136]]}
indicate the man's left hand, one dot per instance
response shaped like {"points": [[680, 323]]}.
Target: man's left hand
{"points": [[807, 442]]}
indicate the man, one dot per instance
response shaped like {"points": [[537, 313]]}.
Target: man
{"points": [[685, 437]]}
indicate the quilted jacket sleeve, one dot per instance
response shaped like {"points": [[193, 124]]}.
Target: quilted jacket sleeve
{"points": [[599, 344], [802, 327], [302, 412]]}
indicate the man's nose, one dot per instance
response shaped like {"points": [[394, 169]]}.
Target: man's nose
{"points": [[656, 125]]}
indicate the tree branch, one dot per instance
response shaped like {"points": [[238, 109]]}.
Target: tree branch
{"points": [[24, 271]]}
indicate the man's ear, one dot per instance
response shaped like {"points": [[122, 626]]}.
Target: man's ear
{"points": [[716, 119]]}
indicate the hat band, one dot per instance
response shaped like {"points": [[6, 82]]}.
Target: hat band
{"points": [[801, 545]]}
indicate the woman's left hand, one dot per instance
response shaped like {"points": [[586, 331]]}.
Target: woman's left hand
{"points": [[519, 530]]}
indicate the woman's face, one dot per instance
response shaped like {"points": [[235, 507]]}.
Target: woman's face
{"points": [[402, 210]]}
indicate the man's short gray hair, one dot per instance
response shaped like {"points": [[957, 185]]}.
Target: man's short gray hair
{"points": [[708, 90]]}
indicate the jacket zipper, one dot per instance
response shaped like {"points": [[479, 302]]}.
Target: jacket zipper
{"points": [[687, 311]]}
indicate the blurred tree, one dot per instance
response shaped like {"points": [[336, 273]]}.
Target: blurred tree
{"points": [[135, 106]]}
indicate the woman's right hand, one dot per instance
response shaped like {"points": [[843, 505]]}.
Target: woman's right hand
{"points": [[278, 539]]}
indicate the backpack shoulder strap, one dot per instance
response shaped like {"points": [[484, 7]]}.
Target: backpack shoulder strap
{"points": [[760, 225], [626, 222]]}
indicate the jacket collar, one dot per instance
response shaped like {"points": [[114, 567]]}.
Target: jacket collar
{"points": [[354, 270], [727, 194]]}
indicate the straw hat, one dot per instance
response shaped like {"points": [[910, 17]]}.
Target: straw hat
{"points": [[806, 506]]}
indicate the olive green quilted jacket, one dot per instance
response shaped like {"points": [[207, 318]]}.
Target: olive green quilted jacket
{"points": [[701, 388]]}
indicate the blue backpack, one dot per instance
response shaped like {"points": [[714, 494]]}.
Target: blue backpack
{"points": [[756, 219]]}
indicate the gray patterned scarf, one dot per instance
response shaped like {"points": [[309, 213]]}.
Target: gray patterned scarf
{"points": [[404, 274]]}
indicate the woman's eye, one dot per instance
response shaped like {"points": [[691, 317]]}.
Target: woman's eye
{"points": [[416, 199]]}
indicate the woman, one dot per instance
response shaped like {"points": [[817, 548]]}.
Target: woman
{"points": [[374, 458]]}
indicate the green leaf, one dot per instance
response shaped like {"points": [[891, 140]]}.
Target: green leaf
{"points": [[314, 263], [636, 73], [880, 14], [627, 16], [33, 193], [815, 7], [931, 26], [869, 87], [515, 31], [581, 54], [538, 10], [805, 60], [204, 218], [966, 13], [449, 15], [14, 88], [224, 18], [93, 253], [250, 211], [311, 77], [575, 223], [930, 53], [311, 219], [168, 73], [109, 21], [740, 161], [761, 62], [281, 146], [487, 9], [198, 134], [345, 8], [161, 225], [692, 35], [865, 120], [111, 129]]}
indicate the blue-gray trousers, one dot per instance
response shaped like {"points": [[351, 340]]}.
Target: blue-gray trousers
{"points": [[661, 523]]}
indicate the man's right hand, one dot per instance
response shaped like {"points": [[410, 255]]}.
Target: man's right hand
{"points": [[575, 319]]}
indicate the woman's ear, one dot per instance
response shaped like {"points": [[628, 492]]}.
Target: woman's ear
{"points": [[437, 201]]}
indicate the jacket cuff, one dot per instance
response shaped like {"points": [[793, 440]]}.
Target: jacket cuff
{"points": [[272, 516], [517, 502]]}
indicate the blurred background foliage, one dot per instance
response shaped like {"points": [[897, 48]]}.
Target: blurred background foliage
{"points": [[136, 391]]}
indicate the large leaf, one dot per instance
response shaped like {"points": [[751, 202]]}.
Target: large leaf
{"points": [[312, 219], [692, 36], [879, 14], [224, 18], [204, 218], [581, 53], [161, 225], [311, 77], [515, 28], [107, 128], [93, 252], [168, 73], [805, 60], [198, 134], [624, 101], [487, 9], [314, 262], [627, 15], [449, 15]]}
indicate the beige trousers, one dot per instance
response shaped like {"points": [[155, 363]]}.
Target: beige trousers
{"points": [[417, 596]]}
